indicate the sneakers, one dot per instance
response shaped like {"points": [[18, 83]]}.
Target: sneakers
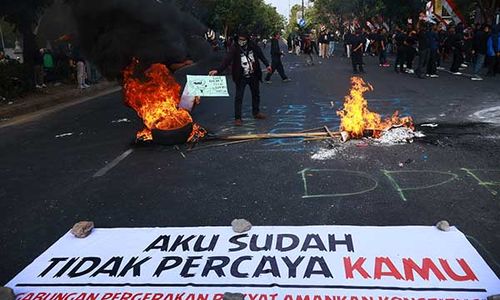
{"points": [[259, 116], [457, 73], [287, 80], [440, 68], [268, 81], [434, 76], [464, 65], [477, 78], [410, 71], [38, 86], [238, 122], [386, 65]]}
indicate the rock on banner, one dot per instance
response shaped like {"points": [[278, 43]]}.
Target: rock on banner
{"points": [[267, 263]]}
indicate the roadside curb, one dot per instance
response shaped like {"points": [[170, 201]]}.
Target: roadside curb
{"points": [[66, 97], [55, 106]]}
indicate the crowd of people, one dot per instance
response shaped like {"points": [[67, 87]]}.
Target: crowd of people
{"points": [[420, 49], [476, 47], [65, 64], [311, 43], [56, 66]]}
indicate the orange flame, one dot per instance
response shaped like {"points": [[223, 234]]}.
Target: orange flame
{"points": [[356, 118], [156, 101]]}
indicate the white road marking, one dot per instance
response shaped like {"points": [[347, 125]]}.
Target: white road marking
{"points": [[64, 135], [489, 115], [113, 164]]}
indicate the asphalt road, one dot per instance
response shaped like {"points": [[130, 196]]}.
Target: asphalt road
{"points": [[49, 178]]}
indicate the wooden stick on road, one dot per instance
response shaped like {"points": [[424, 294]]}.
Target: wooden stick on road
{"points": [[262, 136], [219, 145], [329, 132]]}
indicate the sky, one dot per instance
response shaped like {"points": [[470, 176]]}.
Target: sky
{"points": [[282, 5]]}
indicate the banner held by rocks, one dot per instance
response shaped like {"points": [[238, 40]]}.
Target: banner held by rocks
{"points": [[266, 263]]}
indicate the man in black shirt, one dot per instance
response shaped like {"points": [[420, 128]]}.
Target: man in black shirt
{"points": [[357, 52], [411, 50], [244, 58], [479, 46], [400, 39], [276, 63], [382, 47], [424, 50], [457, 43]]}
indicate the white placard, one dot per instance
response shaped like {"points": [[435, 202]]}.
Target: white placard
{"points": [[207, 86], [267, 263]]}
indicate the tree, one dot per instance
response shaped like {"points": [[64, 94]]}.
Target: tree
{"points": [[25, 15], [488, 9], [310, 18], [200, 9], [397, 10], [252, 15]]}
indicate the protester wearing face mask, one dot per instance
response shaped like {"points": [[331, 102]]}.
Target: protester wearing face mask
{"points": [[244, 57]]}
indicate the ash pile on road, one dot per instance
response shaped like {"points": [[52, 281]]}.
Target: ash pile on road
{"points": [[398, 135]]}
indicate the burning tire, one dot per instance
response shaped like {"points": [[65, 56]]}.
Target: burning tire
{"points": [[172, 137]]}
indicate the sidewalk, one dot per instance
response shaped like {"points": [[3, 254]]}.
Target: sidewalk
{"points": [[51, 96]]}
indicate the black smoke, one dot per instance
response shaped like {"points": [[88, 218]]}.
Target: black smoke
{"points": [[112, 32]]}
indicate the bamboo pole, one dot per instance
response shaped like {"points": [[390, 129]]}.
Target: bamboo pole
{"points": [[313, 139], [262, 136], [220, 145], [329, 132]]}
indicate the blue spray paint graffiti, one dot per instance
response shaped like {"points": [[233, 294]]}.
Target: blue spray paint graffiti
{"points": [[299, 117], [289, 118]]}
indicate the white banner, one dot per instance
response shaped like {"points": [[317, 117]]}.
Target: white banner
{"points": [[267, 263]]}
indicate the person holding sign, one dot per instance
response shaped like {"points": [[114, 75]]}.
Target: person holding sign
{"points": [[244, 57]]}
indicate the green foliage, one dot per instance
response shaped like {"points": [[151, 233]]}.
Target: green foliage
{"points": [[24, 15], [9, 34], [396, 10], [13, 80], [252, 15], [310, 17], [21, 12]]}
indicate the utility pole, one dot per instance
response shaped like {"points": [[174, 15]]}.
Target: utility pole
{"points": [[303, 10], [1, 35]]}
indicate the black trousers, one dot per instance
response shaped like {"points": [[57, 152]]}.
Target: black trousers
{"points": [[423, 61], [433, 62], [254, 83], [458, 59], [314, 46], [410, 56], [276, 65], [400, 58], [493, 63], [357, 60]]}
